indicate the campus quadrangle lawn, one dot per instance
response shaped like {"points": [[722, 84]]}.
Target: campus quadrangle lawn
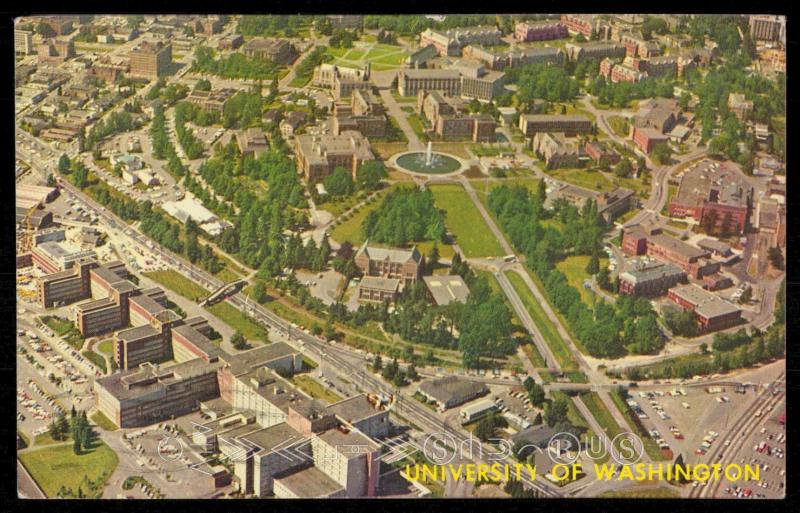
{"points": [[54, 467], [465, 222], [574, 268]]}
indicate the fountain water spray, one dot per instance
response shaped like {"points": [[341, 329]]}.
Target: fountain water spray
{"points": [[429, 155]]}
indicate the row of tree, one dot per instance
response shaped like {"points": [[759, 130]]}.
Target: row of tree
{"points": [[405, 215]]}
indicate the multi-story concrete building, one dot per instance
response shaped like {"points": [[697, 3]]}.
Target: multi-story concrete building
{"points": [[146, 343], [609, 204], [52, 256], [767, 28], [639, 240], [711, 312], [23, 41], [649, 278], [279, 51], [531, 124], [446, 81], [150, 59], [540, 31], [317, 156], [56, 50], [449, 43], [479, 83], [403, 264], [66, 287], [342, 81], [230, 42], [710, 189], [449, 121], [771, 221]]}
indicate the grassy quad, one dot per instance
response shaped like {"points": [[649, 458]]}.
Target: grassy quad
{"points": [[315, 389], [238, 321], [574, 268], [464, 220], [585, 178], [56, 466]]}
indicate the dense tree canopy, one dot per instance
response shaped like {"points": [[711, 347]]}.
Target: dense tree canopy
{"points": [[405, 215]]}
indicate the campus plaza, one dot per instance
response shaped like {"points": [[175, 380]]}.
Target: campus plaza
{"points": [[604, 472]]}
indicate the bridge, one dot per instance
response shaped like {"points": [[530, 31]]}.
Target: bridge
{"points": [[222, 291]]}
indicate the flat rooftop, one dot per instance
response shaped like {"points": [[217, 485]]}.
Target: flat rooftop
{"points": [[378, 283], [268, 438], [705, 303], [447, 288], [711, 182], [354, 409], [309, 483]]}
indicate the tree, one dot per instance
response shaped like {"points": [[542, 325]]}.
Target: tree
{"points": [[369, 174], [593, 267], [259, 292], [202, 85], [238, 341], [747, 295], [51, 180], [623, 168], [661, 154], [541, 191], [45, 30], [580, 38], [556, 411], [703, 348], [64, 163], [433, 258], [377, 363], [412, 373], [339, 183], [775, 257]]}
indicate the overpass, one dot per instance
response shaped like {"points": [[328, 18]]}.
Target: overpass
{"points": [[226, 289]]}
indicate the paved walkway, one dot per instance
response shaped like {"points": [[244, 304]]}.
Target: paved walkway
{"points": [[414, 144]]}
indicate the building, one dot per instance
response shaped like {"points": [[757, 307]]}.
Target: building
{"points": [[366, 413], [767, 28], [715, 195], [291, 122], [403, 264], [586, 24], [514, 57], [620, 72], [446, 81], [479, 83], [207, 25], [145, 343], [375, 289], [150, 59], [451, 391], [597, 151], [711, 312], [211, 101], [659, 114], [609, 204], [649, 278], [446, 289], [531, 124], [56, 50], [317, 156], [695, 262], [279, 51], [716, 281], [540, 31], [231, 42], [65, 287], [648, 138], [252, 142], [582, 51], [364, 114], [739, 105], [51, 256], [346, 21], [420, 58], [557, 150], [342, 81], [771, 219], [449, 43], [23, 42]]}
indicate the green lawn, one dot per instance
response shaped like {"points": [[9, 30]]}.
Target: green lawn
{"points": [[96, 359], [54, 467], [103, 422], [574, 416], [585, 178], [465, 222], [238, 321], [178, 283], [315, 389], [574, 268], [619, 125], [66, 329], [533, 355], [601, 414], [106, 346], [671, 191], [548, 330]]}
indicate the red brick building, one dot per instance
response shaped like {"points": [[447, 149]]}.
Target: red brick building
{"points": [[647, 138], [695, 262], [404, 264], [542, 31], [711, 313]]}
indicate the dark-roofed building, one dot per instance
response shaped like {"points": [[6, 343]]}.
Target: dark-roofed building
{"points": [[364, 412], [251, 141], [711, 312], [609, 204], [385, 262], [280, 51], [375, 289], [451, 391], [318, 156], [640, 240], [570, 125], [309, 483]]}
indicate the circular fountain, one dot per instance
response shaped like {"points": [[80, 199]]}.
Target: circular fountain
{"points": [[428, 162]]}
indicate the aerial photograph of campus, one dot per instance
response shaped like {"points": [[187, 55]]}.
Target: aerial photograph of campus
{"points": [[400, 256]]}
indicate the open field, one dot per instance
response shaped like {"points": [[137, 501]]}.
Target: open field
{"points": [[465, 222], [103, 422], [238, 321], [54, 467], [315, 389], [601, 414], [178, 283], [619, 125], [574, 268], [380, 56], [549, 332]]}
